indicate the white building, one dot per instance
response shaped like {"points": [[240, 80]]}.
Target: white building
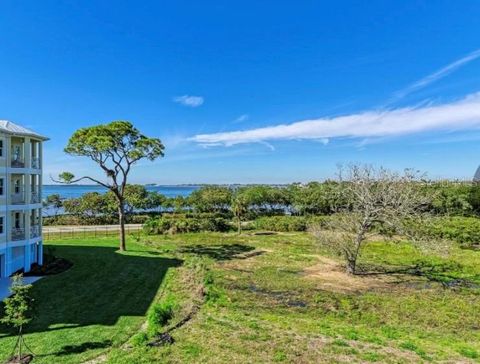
{"points": [[20, 198]]}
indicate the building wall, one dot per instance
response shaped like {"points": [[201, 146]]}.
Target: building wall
{"points": [[20, 197]]}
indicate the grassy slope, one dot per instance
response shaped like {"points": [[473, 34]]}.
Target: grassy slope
{"points": [[267, 309], [259, 306]]}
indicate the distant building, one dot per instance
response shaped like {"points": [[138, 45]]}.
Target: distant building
{"points": [[476, 178], [20, 198]]}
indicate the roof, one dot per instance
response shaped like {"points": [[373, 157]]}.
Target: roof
{"points": [[10, 128]]}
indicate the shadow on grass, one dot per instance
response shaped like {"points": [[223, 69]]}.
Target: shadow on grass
{"points": [[102, 286], [448, 273], [219, 252], [78, 349]]}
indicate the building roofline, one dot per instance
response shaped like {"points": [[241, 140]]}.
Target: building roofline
{"points": [[13, 129]]}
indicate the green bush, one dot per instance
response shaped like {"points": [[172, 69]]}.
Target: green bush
{"points": [[159, 315], [463, 230], [180, 224], [139, 339], [287, 223]]}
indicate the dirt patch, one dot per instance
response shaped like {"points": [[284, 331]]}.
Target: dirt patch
{"points": [[331, 276]]}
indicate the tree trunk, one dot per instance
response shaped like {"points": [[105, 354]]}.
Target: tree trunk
{"points": [[239, 226], [352, 256], [121, 220], [351, 265], [20, 344]]}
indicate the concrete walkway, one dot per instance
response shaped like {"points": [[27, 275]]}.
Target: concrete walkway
{"points": [[5, 285]]}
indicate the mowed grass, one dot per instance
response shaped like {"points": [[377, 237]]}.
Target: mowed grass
{"points": [[260, 303], [97, 304]]}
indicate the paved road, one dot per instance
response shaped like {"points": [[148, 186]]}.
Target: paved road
{"points": [[87, 228]]}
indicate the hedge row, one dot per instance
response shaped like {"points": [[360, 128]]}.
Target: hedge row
{"points": [[463, 230], [287, 223], [175, 224]]}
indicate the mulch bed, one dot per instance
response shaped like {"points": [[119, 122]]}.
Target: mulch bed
{"points": [[53, 266]]}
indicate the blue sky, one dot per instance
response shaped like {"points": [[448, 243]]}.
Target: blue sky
{"points": [[250, 91]]}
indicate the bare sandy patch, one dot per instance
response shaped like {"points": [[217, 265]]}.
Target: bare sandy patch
{"points": [[330, 275]]}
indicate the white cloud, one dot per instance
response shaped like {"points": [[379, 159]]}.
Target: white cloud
{"points": [[242, 118], [187, 100], [424, 82], [459, 115]]}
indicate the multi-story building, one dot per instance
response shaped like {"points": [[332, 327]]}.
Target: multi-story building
{"points": [[20, 198]]}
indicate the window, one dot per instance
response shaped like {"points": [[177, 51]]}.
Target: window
{"points": [[17, 186], [16, 153], [1, 148], [1, 224], [1, 186], [17, 220]]}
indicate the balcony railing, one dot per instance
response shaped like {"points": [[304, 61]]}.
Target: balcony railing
{"points": [[18, 163], [18, 198], [35, 163], [34, 231], [18, 234], [35, 197]]}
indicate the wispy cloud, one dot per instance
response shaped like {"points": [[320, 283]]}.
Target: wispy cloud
{"points": [[463, 114], [435, 76], [242, 118], [188, 100]]}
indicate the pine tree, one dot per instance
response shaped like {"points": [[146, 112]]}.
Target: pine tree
{"points": [[17, 312]]}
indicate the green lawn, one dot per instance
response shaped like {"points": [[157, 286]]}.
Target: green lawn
{"points": [[267, 298], [100, 302]]}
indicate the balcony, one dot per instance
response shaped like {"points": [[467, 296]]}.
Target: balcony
{"points": [[18, 234], [34, 231], [35, 197], [18, 162], [18, 198], [35, 163]]}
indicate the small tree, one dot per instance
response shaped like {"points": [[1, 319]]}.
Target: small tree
{"points": [[373, 198], [156, 200], [55, 203], [88, 206], [115, 148], [17, 312], [239, 209]]}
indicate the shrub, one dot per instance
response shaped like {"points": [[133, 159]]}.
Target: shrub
{"points": [[287, 223], [139, 339], [463, 230], [159, 315], [181, 224]]}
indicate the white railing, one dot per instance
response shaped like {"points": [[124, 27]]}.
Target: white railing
{"points": [[34, 231], [18, 198], [35, 197], [18, 234], [35, 163], [18, 162]]}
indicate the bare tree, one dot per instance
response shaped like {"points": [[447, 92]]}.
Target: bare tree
{"points": [[376, 199]]}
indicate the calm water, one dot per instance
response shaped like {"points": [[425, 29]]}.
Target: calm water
{"points": [[73, 191]]}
